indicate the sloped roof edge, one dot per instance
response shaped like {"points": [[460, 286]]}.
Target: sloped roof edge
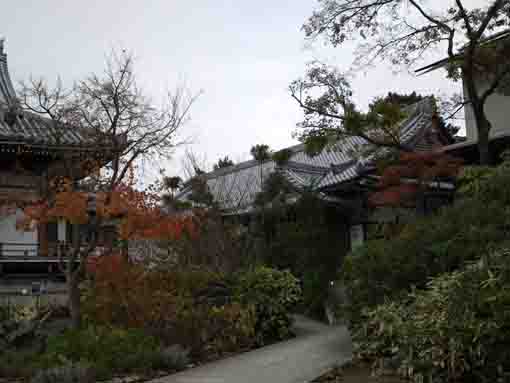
{"points": [[331, 167]]}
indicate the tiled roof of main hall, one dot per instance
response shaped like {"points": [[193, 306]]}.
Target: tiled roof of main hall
{"points": [[235, 187], [29, 128]]}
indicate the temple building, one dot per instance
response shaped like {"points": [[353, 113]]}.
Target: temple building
{"points": [[342, 179], [32, 151]]}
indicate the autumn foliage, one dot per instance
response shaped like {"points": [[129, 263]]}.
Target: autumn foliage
{"points": [[171, 304], [136, 214], [143, 218], [399, 183]]}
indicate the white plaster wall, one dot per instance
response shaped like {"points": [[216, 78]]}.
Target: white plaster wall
{"points": [[61, 230], [497, 109], [9, 234]]}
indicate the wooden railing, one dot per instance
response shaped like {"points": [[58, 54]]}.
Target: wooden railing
{"points": [[10, 249], [30, 250]]}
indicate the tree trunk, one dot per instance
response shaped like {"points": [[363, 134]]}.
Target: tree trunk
{"points": [[483, 144], [483, 127], [74, 303], [73, 279]]}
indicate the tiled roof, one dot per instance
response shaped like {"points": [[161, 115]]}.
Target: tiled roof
{"points": [[235, 187], [29, 128], [7, 93], [35, 130]]}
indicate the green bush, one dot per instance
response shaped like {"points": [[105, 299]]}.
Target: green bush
{"points": [[426, 248], [315, 293], [304, 238], [273, 293], [17, 363], [487, 183], [476, 223], [431, 302], [109, 350], [210, 331], [458, 329]]}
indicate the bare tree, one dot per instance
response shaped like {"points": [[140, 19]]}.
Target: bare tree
{"points": [[118, 126], [193, 164], [402, 32]]}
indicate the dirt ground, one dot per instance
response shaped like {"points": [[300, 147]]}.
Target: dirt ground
{"points": [[352, 373]]}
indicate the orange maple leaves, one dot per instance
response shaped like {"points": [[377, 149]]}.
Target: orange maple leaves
{"points": [[136, 214]]}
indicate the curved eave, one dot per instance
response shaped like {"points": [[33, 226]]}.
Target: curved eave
{"points": [[7, 93]]}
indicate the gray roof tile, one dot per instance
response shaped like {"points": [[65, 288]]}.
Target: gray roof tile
{"points": [[30, 128], [236, 187]]}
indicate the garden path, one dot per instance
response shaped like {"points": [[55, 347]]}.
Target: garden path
{"points": [[315, 349]]}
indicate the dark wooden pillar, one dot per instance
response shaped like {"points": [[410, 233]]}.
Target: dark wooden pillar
{"points": [[42, 236]]}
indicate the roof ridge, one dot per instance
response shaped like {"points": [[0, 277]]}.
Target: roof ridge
{"points": [[249, 163], [231, 169], [415, 110]]}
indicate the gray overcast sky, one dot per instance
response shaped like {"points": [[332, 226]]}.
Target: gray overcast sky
{"points": [[243, 54]]}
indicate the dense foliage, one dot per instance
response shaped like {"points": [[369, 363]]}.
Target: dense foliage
{"points": [[273, 293], [304, 238], [148, 320], [110, 350], [48, 351], [433, 302], [260, 152], [174, 305], [475, 224], [455, 330], [281, 157], [205, 311]]}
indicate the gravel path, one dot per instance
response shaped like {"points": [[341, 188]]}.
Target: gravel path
{"points": [[316, 348]]}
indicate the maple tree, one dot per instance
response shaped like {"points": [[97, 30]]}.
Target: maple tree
{"points": [[94, 185], [400, 183], [135, 214]]}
